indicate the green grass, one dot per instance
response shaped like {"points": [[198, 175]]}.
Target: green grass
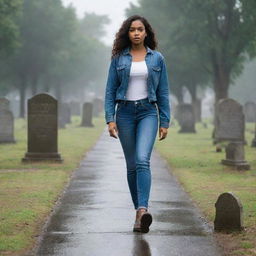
{"points": [[29, 191], [196, 164]]}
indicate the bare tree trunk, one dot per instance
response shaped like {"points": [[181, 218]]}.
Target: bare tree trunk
{"points": [[196, 103], [179, 95], [221, 77], [221, 85]]}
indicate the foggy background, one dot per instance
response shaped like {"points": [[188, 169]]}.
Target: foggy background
{"points": [[115, 9], [64, 48]]}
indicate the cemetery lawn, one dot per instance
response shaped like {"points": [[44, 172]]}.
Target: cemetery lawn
{"points": [[28, 192], [197, 167]]}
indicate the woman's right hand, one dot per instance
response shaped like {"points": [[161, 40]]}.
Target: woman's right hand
{"points": [[112, 129]]}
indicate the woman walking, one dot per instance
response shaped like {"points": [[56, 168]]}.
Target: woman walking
{"points": [[138, 84]]}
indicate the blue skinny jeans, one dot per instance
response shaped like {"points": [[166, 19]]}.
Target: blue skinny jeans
{"points": [[137, 124]]}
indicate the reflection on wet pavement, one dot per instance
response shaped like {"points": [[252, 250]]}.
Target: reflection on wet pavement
{"points": [[96, 214]]}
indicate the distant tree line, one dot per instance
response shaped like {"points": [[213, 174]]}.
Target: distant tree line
{"points": [[204, 42], [44, 46]]}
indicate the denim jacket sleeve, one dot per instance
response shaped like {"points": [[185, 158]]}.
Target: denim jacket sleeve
{"points": [[162, 95], [110, 92]]}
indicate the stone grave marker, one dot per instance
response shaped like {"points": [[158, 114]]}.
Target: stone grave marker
{"points": [[250, 112], [186, 118], [6, 126], [87, 115], [229, 213], [235, 156], [229, 121], [42, 129]]}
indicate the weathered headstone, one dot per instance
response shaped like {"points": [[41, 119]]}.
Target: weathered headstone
{"points": [[229, 121], [229, 212], [250, 112], [6, 126], [235, 156], [87, 115], [42, 129], [186, 118], [75, 108], [4, 104]]}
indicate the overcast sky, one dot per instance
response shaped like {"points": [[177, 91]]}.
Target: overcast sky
{"points": [[113, 8]]}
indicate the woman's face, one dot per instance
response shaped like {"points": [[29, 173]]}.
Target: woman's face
{"points": [[137, 32]]}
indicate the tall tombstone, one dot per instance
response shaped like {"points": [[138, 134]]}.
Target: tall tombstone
{"points": [[250, 112], [229, 213], [229, 121], [4, 104], [42, 129], [186, 118], [6, 126], [87, 115], [235, 156]]}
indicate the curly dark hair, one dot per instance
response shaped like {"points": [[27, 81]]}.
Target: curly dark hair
{"points": [[122, 36]]}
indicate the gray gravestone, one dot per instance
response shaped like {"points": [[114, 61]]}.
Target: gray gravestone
{"points": [[4, 104], [6, 126], [186, 118], [87, 115], [235, 156], [42, 129], [250, 112], [229, 212], [229, 121]]}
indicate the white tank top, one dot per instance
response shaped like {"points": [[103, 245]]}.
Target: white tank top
{"points": [[137, 87]]}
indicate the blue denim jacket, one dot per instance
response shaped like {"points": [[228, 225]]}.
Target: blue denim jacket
{"points": [[157, 83]]}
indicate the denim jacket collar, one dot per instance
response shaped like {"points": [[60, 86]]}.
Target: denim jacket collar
{"points": [[127, 50]]}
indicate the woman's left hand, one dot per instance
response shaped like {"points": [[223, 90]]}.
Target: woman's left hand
{"points": [[162, 133]]}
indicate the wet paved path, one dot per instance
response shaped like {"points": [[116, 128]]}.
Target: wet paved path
{"points": [[96, 214]]}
